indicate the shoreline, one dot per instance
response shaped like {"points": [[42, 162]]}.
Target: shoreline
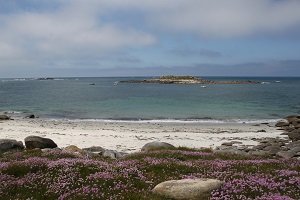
{"points": [[130, 136]]}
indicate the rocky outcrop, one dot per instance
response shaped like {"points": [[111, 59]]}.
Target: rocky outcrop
{"points": [[152, 146], [32, 142], [4, 117], [10, 145], [185, 80], [189, 189], [275, 147]]}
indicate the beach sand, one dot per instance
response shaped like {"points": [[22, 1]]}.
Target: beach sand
{"points": [[131, 136]]}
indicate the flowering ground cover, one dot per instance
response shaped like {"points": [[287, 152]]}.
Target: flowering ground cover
{"points": [[60, 175]]}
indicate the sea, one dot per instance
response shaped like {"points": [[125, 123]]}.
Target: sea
{"points": [[107, 99]]}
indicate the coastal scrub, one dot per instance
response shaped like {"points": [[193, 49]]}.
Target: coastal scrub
{"points": [[57, 175]]}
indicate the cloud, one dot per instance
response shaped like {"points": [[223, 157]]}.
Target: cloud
{"points": [[73, 30], [187, 52], [215, 18]]}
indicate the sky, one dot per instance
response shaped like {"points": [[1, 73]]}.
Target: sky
{"points": [[98, 38]]}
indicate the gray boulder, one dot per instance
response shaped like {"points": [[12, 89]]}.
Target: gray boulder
{"points": [[95, 149], [112, 154], [10, 145], [152, 146], [282, 123], [4, 117], [292, 118], [189, 189], [32, 142], [286, 154], [294, 135]]}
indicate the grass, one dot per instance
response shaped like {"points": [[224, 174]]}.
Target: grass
{"points": [[59, 175]]}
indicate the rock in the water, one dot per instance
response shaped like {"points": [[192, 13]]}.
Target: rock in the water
{"points": [[152, 146], [32, 142], [10, 145], [282, 123], [4, 117], [189, 189]]}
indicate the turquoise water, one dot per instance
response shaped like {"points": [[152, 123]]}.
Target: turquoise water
{"points": [[75, 98]]}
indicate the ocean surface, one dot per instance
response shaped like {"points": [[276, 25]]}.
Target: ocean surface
{"points": [[107, 99]]}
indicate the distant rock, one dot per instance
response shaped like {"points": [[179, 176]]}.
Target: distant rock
{"points": [[32, 142], [151, 146], [187, 189], [185, 80], [10, 145], [4, 117]]}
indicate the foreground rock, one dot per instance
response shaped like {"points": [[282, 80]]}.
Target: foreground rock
{"points": [[189, 189], [185, 80], [33, 142], [152, 146], [4, 117], [10, 145]]}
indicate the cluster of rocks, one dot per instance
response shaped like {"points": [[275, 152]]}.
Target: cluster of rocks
{"points": [[185, 80], [291, 127], [46, 145], [279, 147]]}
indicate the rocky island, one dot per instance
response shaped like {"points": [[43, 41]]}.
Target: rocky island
{"points": [[186, 80]]}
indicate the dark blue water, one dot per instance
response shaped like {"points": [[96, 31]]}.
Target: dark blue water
{"points": [[75, 98]]}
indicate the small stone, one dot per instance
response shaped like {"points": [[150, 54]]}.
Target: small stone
{"points": [[262, 131]]}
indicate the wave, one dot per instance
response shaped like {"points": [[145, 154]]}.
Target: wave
{"points": [[213, 121]]}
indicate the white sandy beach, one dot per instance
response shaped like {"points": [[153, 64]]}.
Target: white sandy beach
{"points": [[131, 136]]}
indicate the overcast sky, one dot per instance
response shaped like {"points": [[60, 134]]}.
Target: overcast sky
{"points": [[149, 37]]}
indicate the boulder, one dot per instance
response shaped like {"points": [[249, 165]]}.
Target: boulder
{"points": [[294, 136], [189, 189], [30, 116], [10, 145], [286, 154], [152, 146], [112, 154], [272, 149], [292, 118], [95, 149], [292, 145], [73, 149], [282, 123], [32, 142], [4, 117], [296, 122]]}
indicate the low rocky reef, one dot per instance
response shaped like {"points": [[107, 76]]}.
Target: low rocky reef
{"points": [[186, 80]]}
